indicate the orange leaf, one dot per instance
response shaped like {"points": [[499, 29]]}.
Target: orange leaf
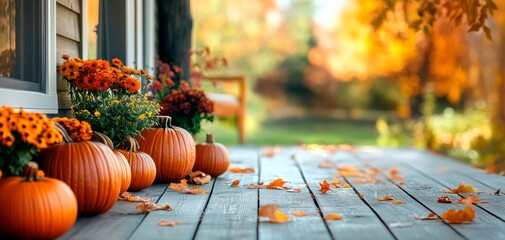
{"points": [[396, 202], [184, 188], [470, 200], [430, 216], [386, 198], [349, 171], [277, 183], [199, 178], [462, 188], [335, 181], [241, 170], [299, 213], [459, 216], [235, 183], [333, 216], [149, 206], [272, 212], [168, 223], [325, 186], [444, 199], [127, 196]]}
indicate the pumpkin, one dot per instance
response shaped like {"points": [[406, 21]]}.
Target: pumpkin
{"points": [[143, 169], [126, 173], [172, 149], [211, 157], [91, 169], [35, 208]]}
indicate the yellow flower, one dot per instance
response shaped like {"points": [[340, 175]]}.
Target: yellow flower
{"points": [[97, 114], [142, 116]]}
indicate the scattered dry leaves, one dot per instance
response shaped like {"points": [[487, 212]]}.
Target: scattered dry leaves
{"points": [[271, 151], [396, 202], [241, 170], [430, 216], [149, 206], [471, 199], [395, 174], [462, 188], [459, 216], [299, 213], [349, 171], [184, 188], [199, 178], [333, 216], [386, 198], [127, 196], [168, 223], [235, 183], [324, 187], [444, 199], [276, 184], [272, 212]]}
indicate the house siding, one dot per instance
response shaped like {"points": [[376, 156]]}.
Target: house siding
{"points": [[68, 41]]}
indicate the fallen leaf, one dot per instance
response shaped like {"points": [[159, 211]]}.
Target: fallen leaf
{"points": [[471, 199], [333, 216], [235, 183], [459, 216], [349, 171], [184, 188], [272, 212], [324, 187], [444, 199], [168, 223], [240, 170], [335, 181], [256, 186], [149, 206], [361, 180], [345, 185], [372, 180], [127, 196], [386, 198], [430, 216], [326, 163], [199, 178], [299, 213], [396, 202], [277, 183], [462, 188], [395, 174], [271, 151]]}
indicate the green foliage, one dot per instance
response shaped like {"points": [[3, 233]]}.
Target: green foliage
{"points": [[117, 116], [14, 159]]}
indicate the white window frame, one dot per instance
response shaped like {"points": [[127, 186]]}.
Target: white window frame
{"points": [[47, 101]]}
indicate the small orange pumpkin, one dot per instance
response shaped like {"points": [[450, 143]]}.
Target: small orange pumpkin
{"points": [[211, 157], [34, 207], [126, 173], [143, 169], [172, 149], [91, 169]]}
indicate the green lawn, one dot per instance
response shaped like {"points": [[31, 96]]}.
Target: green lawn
{"points": [[289, 132]]}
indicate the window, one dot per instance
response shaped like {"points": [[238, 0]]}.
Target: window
{"points": [[27, 61]]}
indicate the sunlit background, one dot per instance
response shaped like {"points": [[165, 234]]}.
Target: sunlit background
{"points": [[321, 72]]}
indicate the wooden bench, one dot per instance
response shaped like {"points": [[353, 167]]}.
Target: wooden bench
{"points": [[232, 212], [229, 96]]}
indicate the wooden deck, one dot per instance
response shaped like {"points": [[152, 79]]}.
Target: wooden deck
{"points": [[231, 212]]}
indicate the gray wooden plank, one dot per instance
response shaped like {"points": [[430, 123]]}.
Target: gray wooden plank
{"points": [[117, 223], [358, 220], [395, 214], [187, 209], [232, 211], [281, 166], [450, 178], [426, 191]]}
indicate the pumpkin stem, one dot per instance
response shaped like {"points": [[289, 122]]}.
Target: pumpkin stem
{"points": [[209, 138], [30, 172], [102, 138], [164, 121], [131, 144], [64, 133]]}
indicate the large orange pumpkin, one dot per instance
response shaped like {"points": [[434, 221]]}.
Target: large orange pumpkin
{"points": [[126, 173], [35, 208], [172, 149], [143, 169], [211, 157], [91, 169]]}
